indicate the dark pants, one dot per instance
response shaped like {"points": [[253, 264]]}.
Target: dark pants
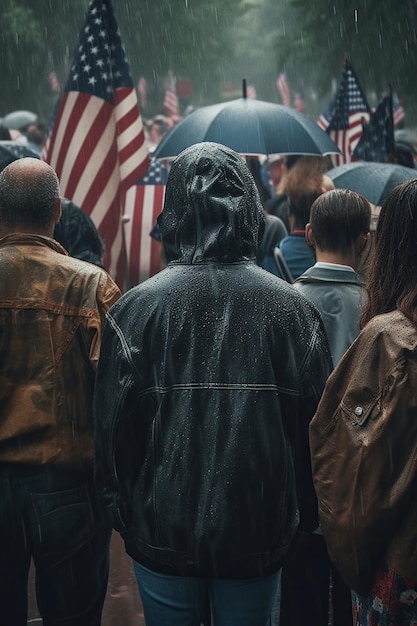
{"points": [[52, 515], [305, 589]]}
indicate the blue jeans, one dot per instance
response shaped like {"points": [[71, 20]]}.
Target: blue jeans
{"points": [[52, 516], [177, 600]]}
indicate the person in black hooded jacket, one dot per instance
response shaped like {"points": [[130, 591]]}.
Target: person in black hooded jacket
{"points": [[209, 374]]}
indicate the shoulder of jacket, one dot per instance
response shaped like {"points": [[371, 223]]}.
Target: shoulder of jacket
{"points": [[392, 331]]}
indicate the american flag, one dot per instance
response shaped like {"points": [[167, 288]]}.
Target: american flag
{"points": [[399, 113], [97, 144], [283, 87], [345, 117], [54, 82], [377, 139], [143, 204], [143, 91]]}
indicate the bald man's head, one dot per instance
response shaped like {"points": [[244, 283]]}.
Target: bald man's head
{"points": [[29, 196]]}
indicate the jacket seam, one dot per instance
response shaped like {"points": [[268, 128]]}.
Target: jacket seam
{"points": [[46, 305], [129, 383], [222, 386], [125, 347]]}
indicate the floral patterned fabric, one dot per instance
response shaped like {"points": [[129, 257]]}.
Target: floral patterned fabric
{"points": [[391, 602]]}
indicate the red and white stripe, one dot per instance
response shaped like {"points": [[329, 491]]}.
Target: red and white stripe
{"points": [[399, 115], [283, 88], [143, 91], [346, 140], [98, 151], [54, 82], [143, 204]]}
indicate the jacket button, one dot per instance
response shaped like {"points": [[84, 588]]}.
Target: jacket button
{"points": [[358, 411]]}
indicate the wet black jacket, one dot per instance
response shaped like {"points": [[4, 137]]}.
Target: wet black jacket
{"points": [[208, 376]]}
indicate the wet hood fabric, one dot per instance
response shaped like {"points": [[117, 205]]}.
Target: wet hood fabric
{"points": [[208, 212]]}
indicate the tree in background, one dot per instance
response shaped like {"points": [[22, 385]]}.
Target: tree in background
{"points": [[36, 38], [218, 42], [193, 38], [380, 38]]}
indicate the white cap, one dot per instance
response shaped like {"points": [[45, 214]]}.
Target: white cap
{"points": [[275, 157]]}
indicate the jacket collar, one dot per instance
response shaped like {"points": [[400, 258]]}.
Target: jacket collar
{"points": [[24, 239], [327, 274]]}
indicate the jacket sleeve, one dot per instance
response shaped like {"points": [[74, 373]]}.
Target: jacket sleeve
{"points": [[107, 294], [117, 453], [364, 447]]}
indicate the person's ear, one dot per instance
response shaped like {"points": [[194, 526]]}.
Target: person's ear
{"points": [[362, 241], [58, 210], [309, 235]]}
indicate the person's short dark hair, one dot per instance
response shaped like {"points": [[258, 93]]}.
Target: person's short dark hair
{"points": [[36, 133], [29, 190], [160, 124], [337, 218], [300, 208]]}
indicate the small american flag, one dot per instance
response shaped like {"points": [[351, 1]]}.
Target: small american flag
{"points": [[345, 117], [97, 144], [377, 139], [143, 204], [399, 113], [54, 82], [283, 88], [143, 91]]}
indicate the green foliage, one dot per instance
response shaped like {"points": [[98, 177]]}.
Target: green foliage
{"points": [[193, 38], [214, 42], [34, 39], [379, 37]]}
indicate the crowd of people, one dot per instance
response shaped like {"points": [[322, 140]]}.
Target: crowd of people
{"points": [[244, 418]]}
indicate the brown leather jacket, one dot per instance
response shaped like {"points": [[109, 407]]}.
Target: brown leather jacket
{"points": [[364, 450], [52, 307]]}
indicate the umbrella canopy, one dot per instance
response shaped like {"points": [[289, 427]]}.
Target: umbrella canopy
{"points": [[372, 180], [19, 119], [12, 150], [250, 127]]}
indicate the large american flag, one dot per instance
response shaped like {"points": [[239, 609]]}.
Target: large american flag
{"points": [[97, 144], [143, 204], [346, 115]]}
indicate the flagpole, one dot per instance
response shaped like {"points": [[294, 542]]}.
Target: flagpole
{"points": [[390, 140]]}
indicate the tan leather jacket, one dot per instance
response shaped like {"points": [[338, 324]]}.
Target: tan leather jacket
{"points": [[51, 311], [364, 451]]}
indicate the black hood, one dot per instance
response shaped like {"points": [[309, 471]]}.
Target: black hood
{"points": [[212, 210]]}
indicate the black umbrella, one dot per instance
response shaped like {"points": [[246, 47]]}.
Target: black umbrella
{"points": [[250, 127], [12, 150], [372, 180]]}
